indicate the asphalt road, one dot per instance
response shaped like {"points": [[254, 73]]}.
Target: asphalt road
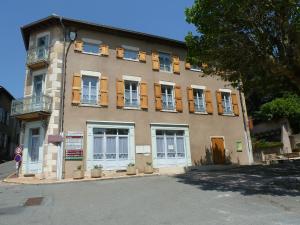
{"points": [[6, 169], [157, 200]]}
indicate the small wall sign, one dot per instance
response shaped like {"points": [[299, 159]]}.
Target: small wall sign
{"points": [[239, 146], [74, 146]]}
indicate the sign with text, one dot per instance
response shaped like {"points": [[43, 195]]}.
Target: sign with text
{"points": [[74, 146]]}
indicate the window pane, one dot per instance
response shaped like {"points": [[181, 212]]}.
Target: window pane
{"points": [[98, 131], [123, 147], [159, 132], [160, 147], [167, 97], [111, 131], [165, 61], [199, 100], [131, 94], [111, 147], [90, 48], [130, 54], [89, 90], [123, 131], [180, 147], [171, 153], [98, 147], [226, 102]]}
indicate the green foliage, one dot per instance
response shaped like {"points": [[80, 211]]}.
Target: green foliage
{"points": [[253, 41], [267, 144], [286, 107]]}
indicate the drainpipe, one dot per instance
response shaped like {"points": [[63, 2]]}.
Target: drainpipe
{"points": [[245, 123]]}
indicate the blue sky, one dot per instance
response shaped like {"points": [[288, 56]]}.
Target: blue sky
{"points": [[160, 17]]}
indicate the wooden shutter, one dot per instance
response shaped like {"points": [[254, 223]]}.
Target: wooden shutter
{"points": [[103, 100], [120, 53], [76, 89], [142, 56], [155, 61], [104, 50], [157, 92], [176, 67], [208, 100], [178, 98], [219, 102], [190, 95], [78, 45], [144, 95], [235, 105], [120, 93], [187, 66]]}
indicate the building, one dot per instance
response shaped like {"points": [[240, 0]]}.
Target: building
{"points": [[128, 97], [9, 127]]}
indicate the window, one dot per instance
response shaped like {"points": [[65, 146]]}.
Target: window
{"points": [[2, 115], [199, 100], [42, 46], [165, 63], [110, 143], [131, 93], [91, 48], [226, 102], [170, 144], [130, 54], [195, 68], [168, 101], [89, 90]]}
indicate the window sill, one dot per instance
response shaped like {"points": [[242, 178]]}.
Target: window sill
{"points": [[167, 110], [132, 60], [201, 113], [165, 71], [90, 53], [90, 105], [195, 70], [131, 108], [228, 114]]}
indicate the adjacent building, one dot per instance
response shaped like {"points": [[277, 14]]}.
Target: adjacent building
{"points": [[9, 127], [102, 95]]}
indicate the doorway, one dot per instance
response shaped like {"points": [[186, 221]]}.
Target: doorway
{"points": [[218, 150]]}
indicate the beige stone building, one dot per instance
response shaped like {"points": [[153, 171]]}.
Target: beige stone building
{"points": [[118, 97]]}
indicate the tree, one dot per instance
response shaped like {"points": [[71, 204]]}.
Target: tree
{"points": [[253, 41]]}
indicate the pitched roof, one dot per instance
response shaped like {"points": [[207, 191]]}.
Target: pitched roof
{"points": [[55, 20], [2, 89]]}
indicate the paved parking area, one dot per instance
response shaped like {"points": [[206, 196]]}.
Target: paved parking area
{"points": [[194, 198]]}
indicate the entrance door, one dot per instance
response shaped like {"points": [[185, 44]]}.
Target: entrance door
{"points": [[33, 149], [218, 150]]}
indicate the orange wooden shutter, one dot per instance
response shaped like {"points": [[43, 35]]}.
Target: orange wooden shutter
{"points": [[78, 45], [190, 95], [103, 91], [208, 100], [219, 102], [155, 61], [178, 98], [157, 92], [144, 95], [104, 50], [235, 105], [187, 66], [120, 93], [176, 67], [76, 89], [120, 53], [142, 56]]}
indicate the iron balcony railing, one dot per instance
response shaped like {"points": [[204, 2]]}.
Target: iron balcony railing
{"points": [[39, 54], [31, 104]]}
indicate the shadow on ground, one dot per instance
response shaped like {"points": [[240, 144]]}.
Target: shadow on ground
{"points": [[280, 179]]}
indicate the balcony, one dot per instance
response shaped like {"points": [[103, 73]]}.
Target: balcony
{"points": [[38, 58], [32, 108]]}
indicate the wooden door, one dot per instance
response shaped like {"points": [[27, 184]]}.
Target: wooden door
{"points": [[218, 150]]}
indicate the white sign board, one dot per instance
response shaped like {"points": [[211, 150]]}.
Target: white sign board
{"points": [[143, 149]]}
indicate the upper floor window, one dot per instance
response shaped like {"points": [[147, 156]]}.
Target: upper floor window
{"points": [[165, 62], [131, 53], [195, 67], [199, 100], [226, 102], [131, 93], [89, 90], [168, 100], [92, 48], [42, 45]]}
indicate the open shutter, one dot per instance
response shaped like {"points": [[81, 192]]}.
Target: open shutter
{"points": [[157, 92], [187, 66], [142, 56], [76, 89], [78, 45], [176, 67], [120, 93], [178, 98], [208, 100], [155, 61], [235, 105], [219, 102], [103, 91], [190, 95], [144, 95], [120, 53], [104, 50]]}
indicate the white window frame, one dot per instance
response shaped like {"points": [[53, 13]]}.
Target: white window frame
{"points": [[198, 87], [133, 79], [166, 83], [179, 162], [94, 42], [39, 35], [228, 91], [171, 64], [110, 164], [131, 48], [91, 74], [39, 73], [195, 70]]}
